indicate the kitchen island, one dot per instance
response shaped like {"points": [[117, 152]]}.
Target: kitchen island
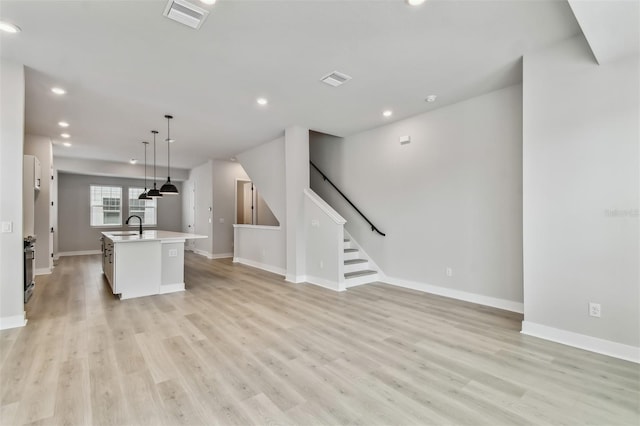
{"points": [[137, 265]]}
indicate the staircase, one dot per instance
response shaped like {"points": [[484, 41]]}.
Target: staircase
{"points": [[358, 269]]}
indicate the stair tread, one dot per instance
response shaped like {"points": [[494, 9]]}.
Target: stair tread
{"points": [[354, 261], [359, 273], [350, 250]]}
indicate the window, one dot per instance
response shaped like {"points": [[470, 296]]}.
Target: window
{"points": [[106, 204], [146, 209]]}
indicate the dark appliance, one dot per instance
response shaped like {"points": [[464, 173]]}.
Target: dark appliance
{"points": [[29, 256]]}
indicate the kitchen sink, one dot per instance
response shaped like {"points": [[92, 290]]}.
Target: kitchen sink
{"points": [[120, 233]]}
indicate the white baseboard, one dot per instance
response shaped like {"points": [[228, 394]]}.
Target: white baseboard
{"points": [[171, 288], [42, 271], [221, 255], [295, 279], [494, 302], [78, 253], [212, 256], [582, 341], [263, 266], [322, 282], [13, 321]]}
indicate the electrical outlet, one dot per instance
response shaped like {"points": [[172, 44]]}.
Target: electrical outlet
{"points": [[449, 271], [594, 309], [173, 252], [7, 227], [321, 264]]}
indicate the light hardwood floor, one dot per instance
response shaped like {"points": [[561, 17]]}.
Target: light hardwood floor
{"points": [[242, 347]]}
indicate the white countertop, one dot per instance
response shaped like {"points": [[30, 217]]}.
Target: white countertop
{"points": [[118, 237]]}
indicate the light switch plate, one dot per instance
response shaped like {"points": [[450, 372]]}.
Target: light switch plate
{"points": [[7, 227]]}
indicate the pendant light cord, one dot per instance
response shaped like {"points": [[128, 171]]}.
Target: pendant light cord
{"points": [[168, 150], [154, 158], [145, 166]]}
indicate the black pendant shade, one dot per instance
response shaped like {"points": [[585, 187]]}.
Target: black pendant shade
{"points": [[168, 188], [154, 193], [144, 195]]}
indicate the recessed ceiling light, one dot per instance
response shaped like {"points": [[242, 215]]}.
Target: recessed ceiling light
{"points": [[208, 1], [233, 159], [387, 113], [415, 2], [67, 144], [431, 98], [63, 124], [9, 28], [65, 135], [58, 90], [262, 101], [133, 161]]}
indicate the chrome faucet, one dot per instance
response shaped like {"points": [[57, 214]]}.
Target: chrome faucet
{"points": [[139, 219]]}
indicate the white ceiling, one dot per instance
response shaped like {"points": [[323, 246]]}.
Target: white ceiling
{"points": [[125, 66]]}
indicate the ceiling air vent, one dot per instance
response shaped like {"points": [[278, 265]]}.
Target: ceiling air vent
{"points": [[335, 79], [185, 13]]}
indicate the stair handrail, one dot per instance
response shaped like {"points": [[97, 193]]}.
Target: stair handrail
{"points": [[373, 227]]}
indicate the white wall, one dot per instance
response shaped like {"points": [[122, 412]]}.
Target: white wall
{"points": [[581, 196], [450, 198], [265, 246], [265, 166], [85, 166], [324, 235], [41, 148], [296, 148], [201, 178], [11, 151], [75, 231], [261, 247]]}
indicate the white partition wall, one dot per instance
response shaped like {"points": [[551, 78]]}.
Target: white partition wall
{"points": [[324, 232], [11, 146]]}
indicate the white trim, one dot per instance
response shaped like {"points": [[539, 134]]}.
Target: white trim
{"points": [[171, 288], [263, 266], [322, 282], [582, 341], [295, 279], [210, 255], [326, 208], [271, 228], [78, 253], [42, 271], [221, 256], [507, 305], [13, 322], [201, 252]]}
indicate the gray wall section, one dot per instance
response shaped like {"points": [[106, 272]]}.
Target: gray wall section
{"points": [[40, 147], [450, 198], [581, 192], [75, 232], [225, 174]]}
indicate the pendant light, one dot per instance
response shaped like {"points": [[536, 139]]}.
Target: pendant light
{"points": [[168, 188], [144, 195], [154, 193]]}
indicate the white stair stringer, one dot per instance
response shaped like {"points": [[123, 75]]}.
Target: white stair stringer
{"points": [[359, 269]]}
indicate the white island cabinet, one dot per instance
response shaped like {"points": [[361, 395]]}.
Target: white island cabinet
{"points": [[141, 265]]}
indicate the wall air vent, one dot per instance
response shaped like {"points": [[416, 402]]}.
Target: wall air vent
{"points": [[335, 79], [185, 13]]}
